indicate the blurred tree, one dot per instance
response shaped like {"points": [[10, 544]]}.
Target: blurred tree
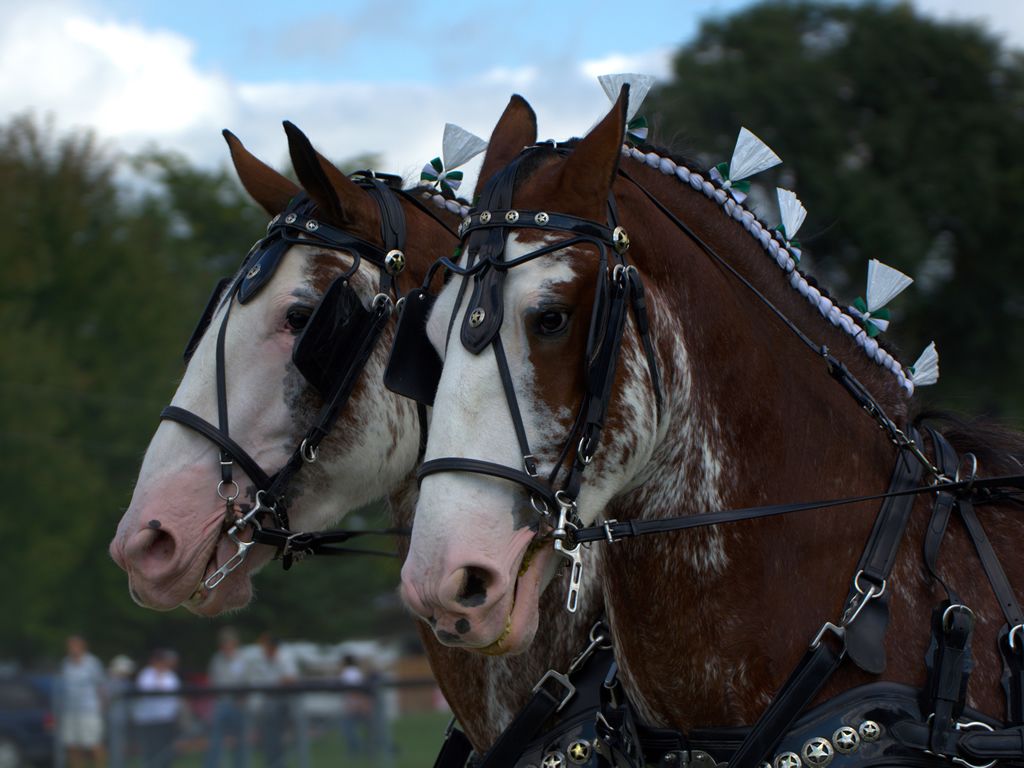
{"points": [[903, 136], [107, 262]]}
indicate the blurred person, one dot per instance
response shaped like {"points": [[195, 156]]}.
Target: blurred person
{"points": [[80, 705], [119, 682], [156, 717], [356, 707], [271, 712], [227, 667]]}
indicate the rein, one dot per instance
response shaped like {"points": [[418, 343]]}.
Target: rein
{"points": [[322, 356]]}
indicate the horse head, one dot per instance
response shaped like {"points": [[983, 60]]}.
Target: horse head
{"points": [[286, 376], [525, 335]]}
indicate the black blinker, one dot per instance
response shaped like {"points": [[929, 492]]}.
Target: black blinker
{"points": [[324, 350], [414, 367], [263, 266], [205, 318]]}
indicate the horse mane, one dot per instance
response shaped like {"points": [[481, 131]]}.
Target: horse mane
{"points": [[998, 447]]}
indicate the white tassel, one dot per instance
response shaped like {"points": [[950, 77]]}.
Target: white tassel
{"points": [[459, 145], [884, 284], [639, 86], [750, 156], [925, 370], [792, 212]]}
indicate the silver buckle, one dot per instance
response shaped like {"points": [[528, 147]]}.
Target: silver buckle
{"points": [[562, 680]]}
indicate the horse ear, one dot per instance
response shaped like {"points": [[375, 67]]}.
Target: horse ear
{"points": [[516, 128], [342, 202], [590, 170], [265, 185]]}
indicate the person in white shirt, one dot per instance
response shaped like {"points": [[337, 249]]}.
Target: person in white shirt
{"points": [[156, 717], [227, 724], [80, 705], [272, 714]]}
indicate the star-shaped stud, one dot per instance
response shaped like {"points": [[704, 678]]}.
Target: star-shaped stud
{"points": [[788, 760], [846, 740], [553, 760], [870, 730], [579, 752], [817, 752]]}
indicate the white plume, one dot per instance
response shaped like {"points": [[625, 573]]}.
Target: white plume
{"points": [[459, 145], [925, 369], [750, 156], [884, 284], [792, 211], [639, 85]]}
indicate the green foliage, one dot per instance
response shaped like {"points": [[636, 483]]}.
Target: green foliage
{"points": [[903, 137], [107, 263]]}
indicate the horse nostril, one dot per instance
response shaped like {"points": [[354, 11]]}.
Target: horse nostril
{"points": [[161, 548], [473, 591]]}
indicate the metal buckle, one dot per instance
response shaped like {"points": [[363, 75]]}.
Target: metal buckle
{"points": [[965, 726], [562, 680], [828, 626], [607, 525], [1014, 631]]}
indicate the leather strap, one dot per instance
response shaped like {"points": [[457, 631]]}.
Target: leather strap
{"points": [[814, 669], [173, 413]]}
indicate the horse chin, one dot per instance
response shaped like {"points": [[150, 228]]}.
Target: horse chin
{"points": [[521, 624], [235, 591]]}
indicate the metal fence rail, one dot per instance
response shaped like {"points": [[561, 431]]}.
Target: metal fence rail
{"points": [[303, 724]]}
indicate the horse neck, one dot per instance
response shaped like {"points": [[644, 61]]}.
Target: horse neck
{"points": [[751, 414]]}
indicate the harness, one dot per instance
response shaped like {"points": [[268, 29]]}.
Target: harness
{"points": [[330, 353], [582, 717]]}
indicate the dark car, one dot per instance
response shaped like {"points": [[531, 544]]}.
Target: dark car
{"points": [[26, 721]]}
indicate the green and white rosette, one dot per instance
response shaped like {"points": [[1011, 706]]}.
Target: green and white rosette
{"points": [[925, 370], [884, 284], [792, 214], [750, 156], [458, 146], [639, 87]]}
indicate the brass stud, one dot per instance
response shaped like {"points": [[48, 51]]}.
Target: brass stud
{"points": [[620, 240], [579, 752], [553, 759], [394, 262]]}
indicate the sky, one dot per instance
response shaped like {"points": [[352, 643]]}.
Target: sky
{"points": [[356, 76]]}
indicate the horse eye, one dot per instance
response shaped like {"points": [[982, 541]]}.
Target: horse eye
{"points": [[297, 317], [551, 322]]}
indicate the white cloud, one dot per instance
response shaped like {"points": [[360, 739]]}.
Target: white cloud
{"points": [[1005, 18], [138, 86]]}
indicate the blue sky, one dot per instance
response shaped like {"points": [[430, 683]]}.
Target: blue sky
{"points": [[320, 41], [357, 76]]}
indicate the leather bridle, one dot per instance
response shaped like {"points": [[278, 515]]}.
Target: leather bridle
{"points": [[619, 290], [298, 225]]}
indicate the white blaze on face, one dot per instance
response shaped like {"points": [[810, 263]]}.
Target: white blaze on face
{"points": [[467, 521], [372, 446]]}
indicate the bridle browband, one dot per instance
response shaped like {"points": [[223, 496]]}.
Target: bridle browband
{"points": [[321, 354]]}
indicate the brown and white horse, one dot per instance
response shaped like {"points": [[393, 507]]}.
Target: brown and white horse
{"points": [[707, 622], [370, 453]]}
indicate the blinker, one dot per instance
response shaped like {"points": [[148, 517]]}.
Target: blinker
{"points": [[324, 350], [414, 367]]}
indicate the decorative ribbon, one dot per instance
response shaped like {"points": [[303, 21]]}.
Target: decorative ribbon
{"points": [[435, 173], [874, 322]]}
